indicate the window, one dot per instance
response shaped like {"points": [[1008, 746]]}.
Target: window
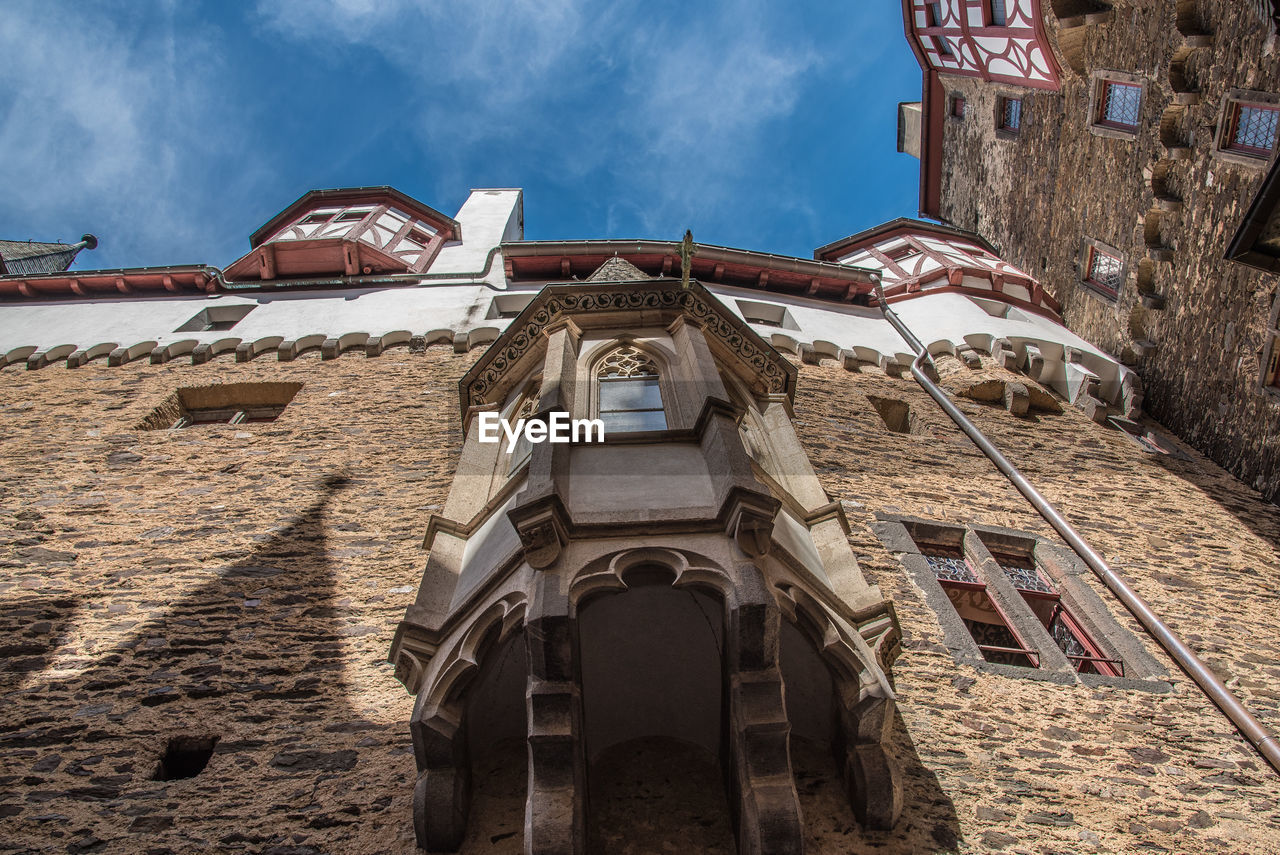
{"points": [[1248, 127], [767, 315], [957, 106], [221, 403], [935, 14], [509, 305], [1009, 115], [1271, 373], [216, 318], [1252, 129], [943, 46], [986, 623], [1104, 272], [1017, 605], [996, 14], [522, 410], [630, 396], [1118, 105], [1066, 631]]}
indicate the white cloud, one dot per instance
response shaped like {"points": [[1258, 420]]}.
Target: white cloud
{"points": [[109, 128]]}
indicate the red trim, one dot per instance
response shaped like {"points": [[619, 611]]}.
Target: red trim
{"points": [[157, 281], [1050, 311]]}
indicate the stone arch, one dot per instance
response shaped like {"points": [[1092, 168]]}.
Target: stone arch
{"points": [[123, 355], [290, 349], [40, 358], [16, 355], [332, 348], [379, 344], [442, 794], [207, 352], [247, 351], [658, 627]]}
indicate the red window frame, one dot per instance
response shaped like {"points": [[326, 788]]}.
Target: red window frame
{"points": [[1104, 98], [1094, 255], [989, 12], [1010, 120], [948, 585], [1233, 128]]}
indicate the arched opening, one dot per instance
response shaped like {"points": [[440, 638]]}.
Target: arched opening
{"points": [[654, 717], [811, 710], [495, 735]]}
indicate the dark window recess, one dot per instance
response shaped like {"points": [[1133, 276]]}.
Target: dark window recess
{"points": [[944, 47], [216, 318], [935, 14], [957, 107], [987, 624], [1253, 129], [185, 757], [1104, 272], [1011, 114], [999, 17], [895, 414], [1120, 103], [221, 403]]}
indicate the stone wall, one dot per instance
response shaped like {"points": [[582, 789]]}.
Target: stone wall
{"points": [[231, 581], [244, 582], [1029, 765], [1193, 323]]}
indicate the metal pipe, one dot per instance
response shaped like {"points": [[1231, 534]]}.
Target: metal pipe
{"points": [[1244, 720]]}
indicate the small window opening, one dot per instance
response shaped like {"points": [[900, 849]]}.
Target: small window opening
{"points": [[895, 414], [935, 14], [766, 314], [943, 46], [957, 106], [990, 629], [1271, 376], [216, 318], [1104, 272], [1253, 129], [221, 403], [630, 395], [1010, 118], [1119, 105], [509, 305], [185, 757], [997, 13]]}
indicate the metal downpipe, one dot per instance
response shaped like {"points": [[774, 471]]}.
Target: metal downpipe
{"points": [[1253, 730]]}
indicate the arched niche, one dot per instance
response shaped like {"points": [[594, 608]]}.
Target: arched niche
{"points": [[654, 715]]}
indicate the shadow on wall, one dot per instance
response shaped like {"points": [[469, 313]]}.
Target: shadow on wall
{"points": [[238, 667], [928, 822]]}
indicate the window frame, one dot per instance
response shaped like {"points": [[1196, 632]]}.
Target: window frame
{"points": [[911, 537], [1089, 250], [1099, 125], [989, 14], [1004, 130], [1233, 102], [957, 100], [659, 378]]}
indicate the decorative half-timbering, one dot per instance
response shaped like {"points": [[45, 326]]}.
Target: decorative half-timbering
{"points": [[1000, 40]]}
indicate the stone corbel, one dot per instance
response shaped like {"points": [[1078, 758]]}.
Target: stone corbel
{"points": [[543, 527], [748, 520], [871, 776]]}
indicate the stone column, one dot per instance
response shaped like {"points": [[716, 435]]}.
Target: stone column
{"points": [[766, 805], [555, 812], [442, 794]]}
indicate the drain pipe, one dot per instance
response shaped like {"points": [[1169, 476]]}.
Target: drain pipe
{"points": [[1193, 665]]}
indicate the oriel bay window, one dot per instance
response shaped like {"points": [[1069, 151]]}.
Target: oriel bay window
{"points": [[630, 394]]}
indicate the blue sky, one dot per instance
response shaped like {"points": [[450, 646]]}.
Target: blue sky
{"points": [[173, 130]]}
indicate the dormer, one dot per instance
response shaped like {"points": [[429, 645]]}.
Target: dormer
{"points": [[347, 232]]}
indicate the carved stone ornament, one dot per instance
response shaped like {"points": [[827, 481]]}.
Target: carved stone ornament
{"points": [[542, 531], [556, 302], [750, 522]]}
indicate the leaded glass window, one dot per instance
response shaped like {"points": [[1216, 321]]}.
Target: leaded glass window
{"points": [[1120, 105], [951, 569], [1023, 574], [1104, 272], [1253, 129], [1011, 114], [630, 394]]}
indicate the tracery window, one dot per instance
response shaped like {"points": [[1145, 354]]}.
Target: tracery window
{"points": [[630, 394]]}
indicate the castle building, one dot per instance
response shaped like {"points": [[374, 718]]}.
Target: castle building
{"points": [[272, 585], [1121, 152]]}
